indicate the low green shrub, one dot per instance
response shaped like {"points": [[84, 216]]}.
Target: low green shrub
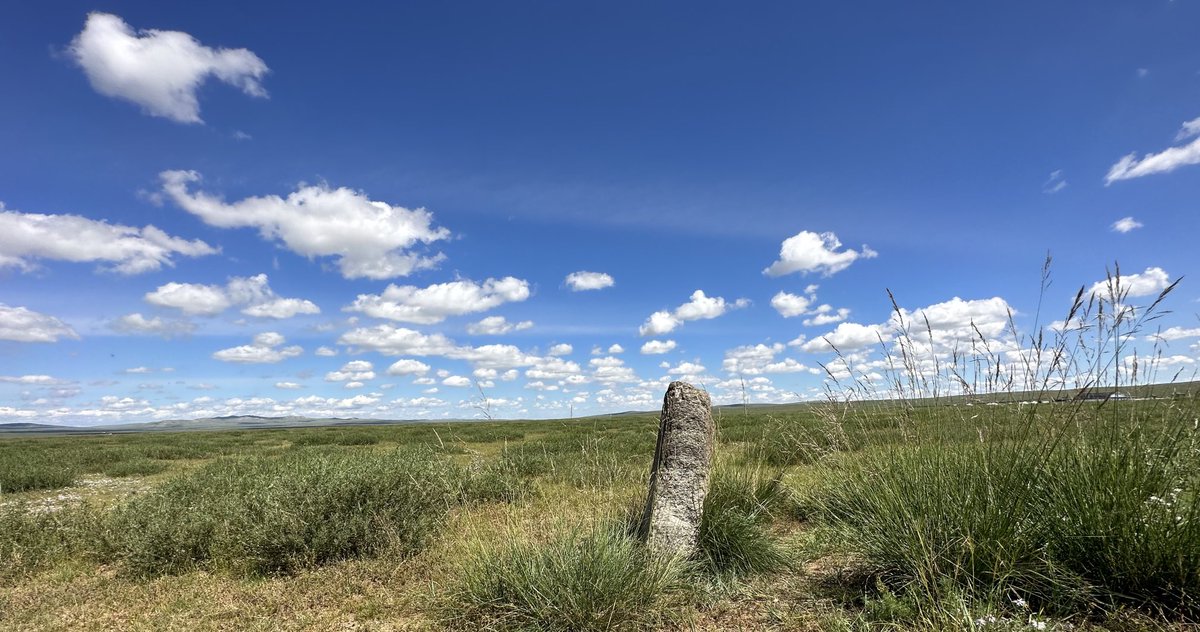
{"points": [[34, 469], [262, 515]]}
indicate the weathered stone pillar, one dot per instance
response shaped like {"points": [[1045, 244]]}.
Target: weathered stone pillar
{"points": [[679, 476]]}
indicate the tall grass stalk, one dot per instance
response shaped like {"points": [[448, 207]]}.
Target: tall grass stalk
{"points": [[1072, 505]]}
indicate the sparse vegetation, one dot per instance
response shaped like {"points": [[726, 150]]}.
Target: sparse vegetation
{"points": [[949, 490]]}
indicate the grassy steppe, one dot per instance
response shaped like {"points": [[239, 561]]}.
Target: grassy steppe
{"points": [[824, 517]]}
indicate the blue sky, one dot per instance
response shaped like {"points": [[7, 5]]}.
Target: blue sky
{"points": [[218, 209]]}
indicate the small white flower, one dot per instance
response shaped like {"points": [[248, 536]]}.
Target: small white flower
{"points": [[1020, 603], [1037, 625]]}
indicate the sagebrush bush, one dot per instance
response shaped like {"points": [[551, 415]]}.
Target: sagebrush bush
{"points": [[261, 515], [582, 581]]}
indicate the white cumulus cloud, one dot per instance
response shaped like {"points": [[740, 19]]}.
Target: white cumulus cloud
{"points": [[433, 304], [1151, 281], [136, 323], [789, 305], [209, 300], [699, 307], [658, 347], [369, 239], [25, 325], [496, 326], [826, 315], [408, 367], [560, 349], [583, 280], [815, 252], [267, 348], [848, 337], [161, 71], [26, 238], [1175, 333], [353, 371]]}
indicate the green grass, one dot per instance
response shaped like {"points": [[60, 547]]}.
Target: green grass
{"points": [[1089, 513], [580, 581], [735, 537], [265, 515]]}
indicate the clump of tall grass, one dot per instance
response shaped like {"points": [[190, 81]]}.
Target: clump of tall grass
{"points": [[26, 470], [33, 535], [261, 515], [1072, 506], [601, 579], [735, 537], [497, 481]]}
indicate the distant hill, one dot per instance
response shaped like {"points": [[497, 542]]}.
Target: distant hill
{"points": [[249, 422], [30, 427]]}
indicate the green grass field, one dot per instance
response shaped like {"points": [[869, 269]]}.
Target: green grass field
{"points": [[830, 516]]}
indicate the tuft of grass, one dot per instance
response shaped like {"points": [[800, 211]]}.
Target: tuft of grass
{"points": [[260, 515], [498, 481], [581, 581], [735, 537]]}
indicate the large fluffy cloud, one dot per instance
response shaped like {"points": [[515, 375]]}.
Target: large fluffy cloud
{"points": [[433, 304], [159, 70], [253, 293], [370, 239], [27, 237], [815, 252], [25, 325], [267, 348], [699, 307]]}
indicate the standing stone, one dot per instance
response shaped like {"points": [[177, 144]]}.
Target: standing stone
{"points": [[679, 476]]}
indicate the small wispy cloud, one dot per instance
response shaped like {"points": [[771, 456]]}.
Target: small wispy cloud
{"points": [[1125, 224], [1055, 183], [1165, 161]]}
